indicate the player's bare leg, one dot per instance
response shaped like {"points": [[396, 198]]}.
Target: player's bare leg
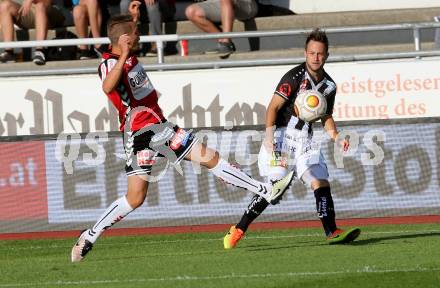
{"points": [[221, 168], [136, 193]]}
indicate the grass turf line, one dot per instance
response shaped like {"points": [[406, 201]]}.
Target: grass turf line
{"points": [[384, 256]]}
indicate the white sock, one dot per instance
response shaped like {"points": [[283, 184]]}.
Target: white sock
{"points": [[114, 213], [236, 177]]}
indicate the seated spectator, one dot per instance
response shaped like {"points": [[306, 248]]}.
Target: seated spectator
{"points": [[157, 11], [85, 13], [206, 14], [38, 14]]}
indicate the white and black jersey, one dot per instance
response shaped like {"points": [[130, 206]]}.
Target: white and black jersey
{"points": [[296, 81]]}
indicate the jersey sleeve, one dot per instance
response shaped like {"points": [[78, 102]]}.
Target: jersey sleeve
{"points": [[105, 67], [286, 86], [330, 103]]}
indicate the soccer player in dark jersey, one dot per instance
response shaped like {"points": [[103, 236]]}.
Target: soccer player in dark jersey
{"points": [[147, 135], [286, 132]]}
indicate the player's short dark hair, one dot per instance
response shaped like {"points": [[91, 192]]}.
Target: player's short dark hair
{"points": [[319, 36], [116, 26]]}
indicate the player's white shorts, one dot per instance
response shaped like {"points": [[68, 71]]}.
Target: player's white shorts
{"points": [[294, 149]]}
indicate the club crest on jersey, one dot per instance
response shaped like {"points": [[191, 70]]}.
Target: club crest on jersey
{"points": [[285, 89], [179, 139]]}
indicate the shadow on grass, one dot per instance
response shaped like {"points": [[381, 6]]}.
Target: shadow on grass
{"points": [[368, 241], [393, 237], [265, 247]]}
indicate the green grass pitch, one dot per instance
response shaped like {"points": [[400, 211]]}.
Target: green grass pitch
{"points": [[383, 256]]}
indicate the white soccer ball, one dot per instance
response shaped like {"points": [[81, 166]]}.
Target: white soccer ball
{"points": [[310, 105]]}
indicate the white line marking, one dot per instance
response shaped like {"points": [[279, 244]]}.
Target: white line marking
{"points": [[5, 245], [180, 278]]}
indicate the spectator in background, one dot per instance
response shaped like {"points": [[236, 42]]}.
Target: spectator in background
{"points": [[206, 14], [85, 13], [157, 11], [38, 14]]}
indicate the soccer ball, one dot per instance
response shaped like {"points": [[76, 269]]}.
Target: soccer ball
{"points": [[310, 105]]}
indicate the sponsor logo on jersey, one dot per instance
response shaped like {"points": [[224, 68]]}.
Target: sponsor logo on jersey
{"points": [[139, 83], [138, 79], [179, 139], [145, 157]]}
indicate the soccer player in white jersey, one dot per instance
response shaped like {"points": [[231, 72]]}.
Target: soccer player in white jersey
{"points": [[287, 134]]}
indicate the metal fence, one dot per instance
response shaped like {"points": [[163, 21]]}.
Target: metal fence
{"points": [[160, 39]]}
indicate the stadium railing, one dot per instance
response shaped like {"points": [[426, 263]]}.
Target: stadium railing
{"points": [[161, 39]]}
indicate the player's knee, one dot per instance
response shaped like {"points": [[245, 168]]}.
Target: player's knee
{"points": [[135, 202], [5, 6], [213, 159], [319, 183], [193, 12], [315, 177], [189, 12], [79, 13]]}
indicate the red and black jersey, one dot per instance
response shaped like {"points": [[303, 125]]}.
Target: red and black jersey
{"points": [[134, 90], [296, 81]]}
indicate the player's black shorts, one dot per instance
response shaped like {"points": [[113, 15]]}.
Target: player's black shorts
{"points": [[143, 147]]}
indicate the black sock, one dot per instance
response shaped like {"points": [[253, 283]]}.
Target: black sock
{"points": [[255, 208], [325, 209]]}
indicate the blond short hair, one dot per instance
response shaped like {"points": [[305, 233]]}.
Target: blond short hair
{"points": [[118, 25]]}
